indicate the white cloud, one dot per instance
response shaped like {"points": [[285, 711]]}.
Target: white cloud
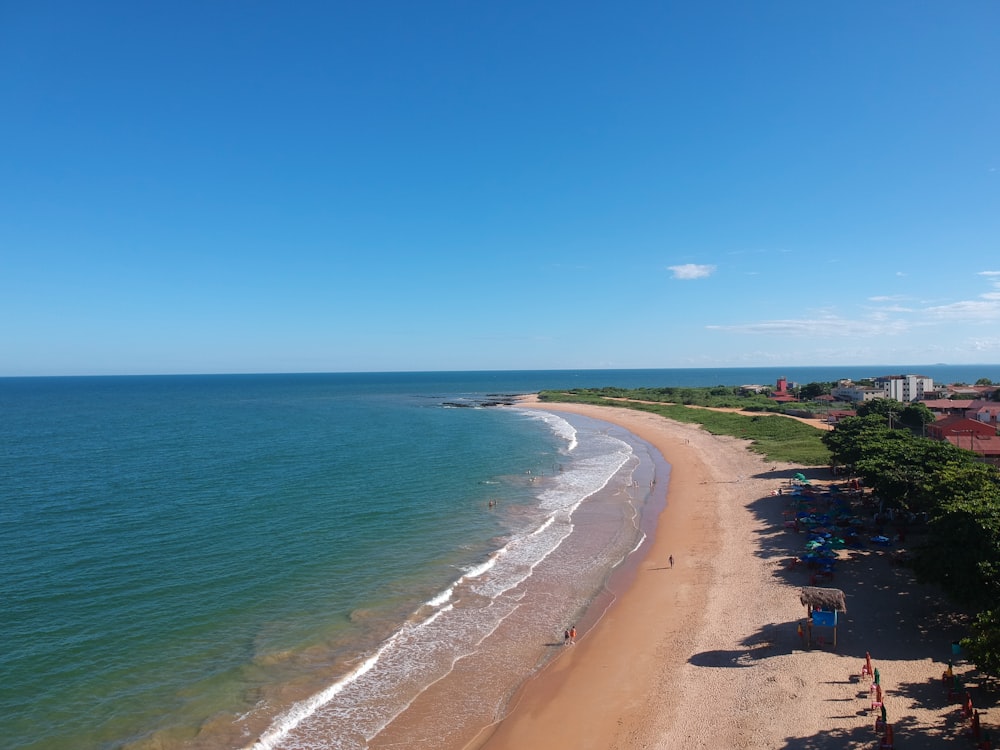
{"points": [[971, 310], [692, 271], [818, 327], [985, 308], [890, 321], [985, 344]]}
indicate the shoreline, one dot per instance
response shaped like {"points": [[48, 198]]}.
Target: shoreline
{"points": [[596, 695], [706, 654]]}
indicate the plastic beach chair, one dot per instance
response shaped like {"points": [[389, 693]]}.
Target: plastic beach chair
{"points": [[877, 697], [888, 741]]}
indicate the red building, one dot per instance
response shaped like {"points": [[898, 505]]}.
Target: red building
{"points": [[959, 428]]}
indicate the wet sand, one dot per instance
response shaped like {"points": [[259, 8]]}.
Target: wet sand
{"points": [[705, 653]]}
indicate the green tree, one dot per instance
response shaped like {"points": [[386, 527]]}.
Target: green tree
{"points": [[888, 408], [916, 416], [854, 437], [963, 554], [961, 497], [962, 558], [983, 642], [811, 390], [984, 381], [902, 469]]}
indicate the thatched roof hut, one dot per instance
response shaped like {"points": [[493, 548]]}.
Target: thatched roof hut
{"points": [[828, 600]]}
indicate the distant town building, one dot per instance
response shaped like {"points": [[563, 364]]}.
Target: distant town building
{"points": [[847, 390], [985, 412], [905, 387], [781, 393], [987, 447], [835, 415], [948, 406], [958, 427], [961, 391]]}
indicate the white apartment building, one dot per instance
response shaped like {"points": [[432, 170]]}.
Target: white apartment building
{"points": [[905, 387]]}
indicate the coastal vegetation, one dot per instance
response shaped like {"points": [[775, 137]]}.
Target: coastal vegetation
{"points": [[811, 399], [959, 496], [775, 437]]}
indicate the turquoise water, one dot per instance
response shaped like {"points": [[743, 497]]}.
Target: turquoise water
{"points": [[286, 561]]}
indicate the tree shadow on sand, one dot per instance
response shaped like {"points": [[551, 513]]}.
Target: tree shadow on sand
{"points": [[886, 606], [898, 612], [908, 734]]}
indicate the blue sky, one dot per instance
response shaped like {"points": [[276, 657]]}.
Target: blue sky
{"points": [[192, 187]]}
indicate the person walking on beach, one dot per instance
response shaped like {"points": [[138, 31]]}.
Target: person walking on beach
{"points": [[671, 560], [572, 635], [566, 637]]}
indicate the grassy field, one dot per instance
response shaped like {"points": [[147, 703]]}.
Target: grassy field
{"points": [[776, 438]]}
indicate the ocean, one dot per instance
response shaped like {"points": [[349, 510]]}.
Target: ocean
{"points": [[276, 562]]}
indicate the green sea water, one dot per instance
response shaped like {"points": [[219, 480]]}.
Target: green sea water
{"points": [[262, 561]]}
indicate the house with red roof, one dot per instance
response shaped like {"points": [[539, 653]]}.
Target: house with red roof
{"points": [[959, 427], [986, 412], [948, 406], [986, 446]]}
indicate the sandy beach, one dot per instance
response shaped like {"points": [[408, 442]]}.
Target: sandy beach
{"points": [[705, 652]]}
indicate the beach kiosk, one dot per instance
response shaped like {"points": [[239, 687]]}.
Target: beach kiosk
{"points": [[822, 607]]}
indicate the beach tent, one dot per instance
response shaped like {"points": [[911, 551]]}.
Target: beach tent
{"points": [[822, 606]]}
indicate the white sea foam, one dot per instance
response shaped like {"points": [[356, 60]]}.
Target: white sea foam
{"points": [[545, 524], [298, 713], [558, 425], [441, 598], [420, 653], [642, 540], [304, 709], [477, 570]]}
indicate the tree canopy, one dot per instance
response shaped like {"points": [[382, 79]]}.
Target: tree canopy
{"points": [[959, 494]]}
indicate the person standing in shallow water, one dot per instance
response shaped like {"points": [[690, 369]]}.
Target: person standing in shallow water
{"points": [[566, 637]]}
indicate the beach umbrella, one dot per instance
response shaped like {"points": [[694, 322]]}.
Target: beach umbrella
{"points": [[883, 713], [800, 476], [868, 662], [876, 676]]}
